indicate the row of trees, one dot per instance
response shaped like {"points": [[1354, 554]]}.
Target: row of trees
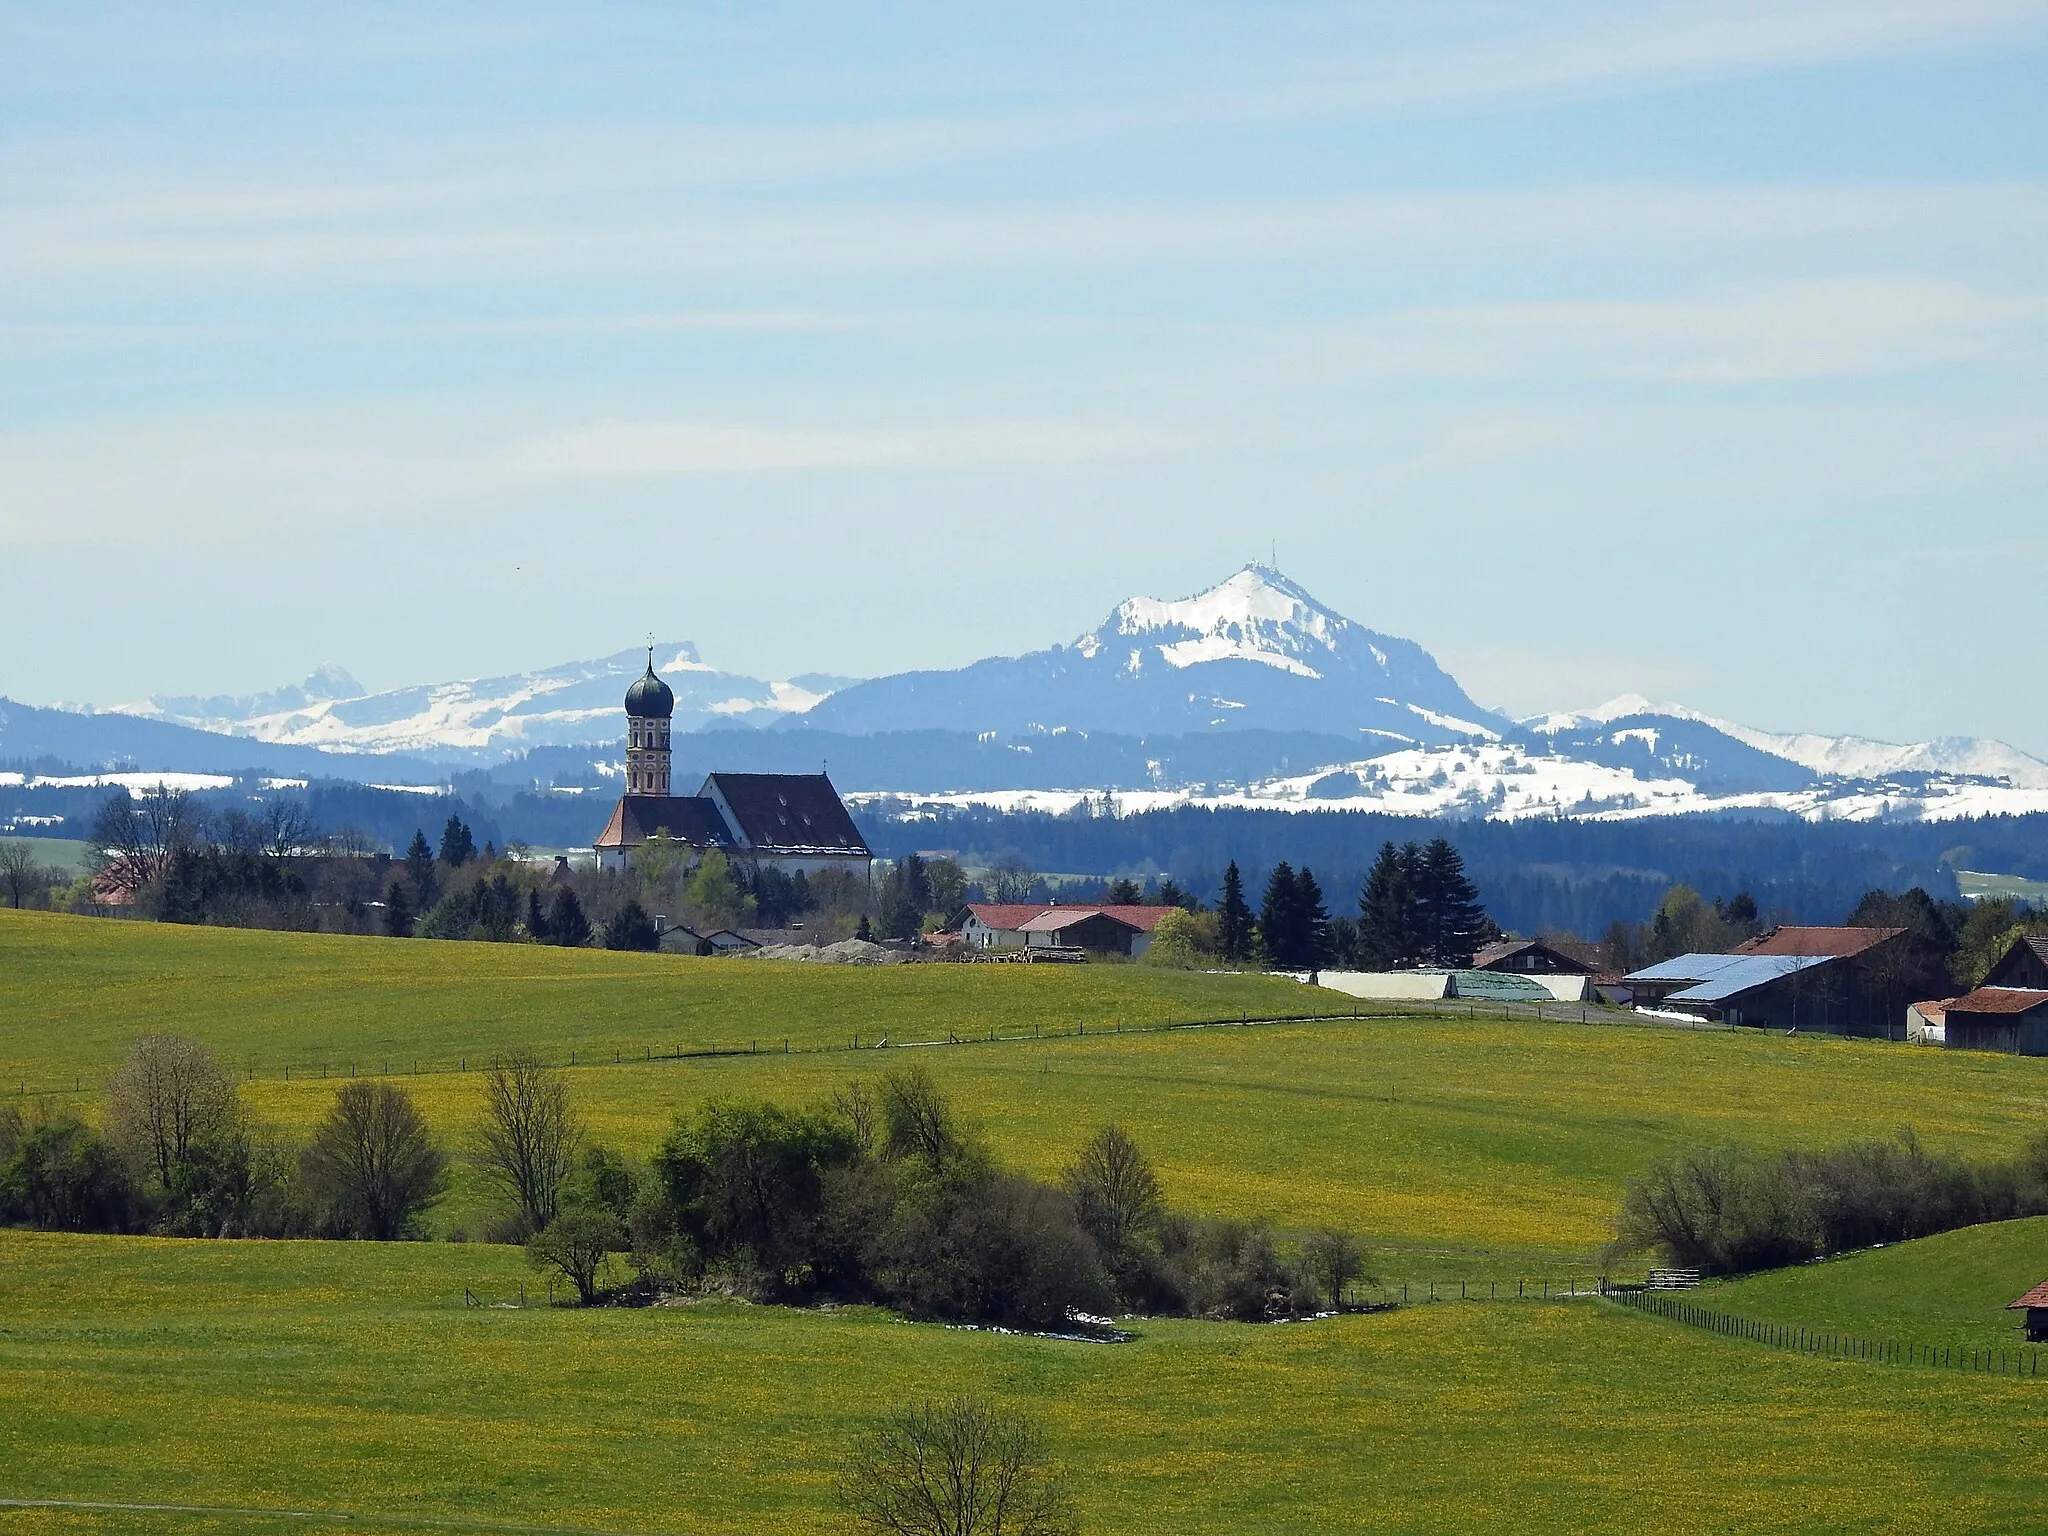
{"points": [[176, 1153], [1732, 1210], [884, 1194], [1416, 908]]}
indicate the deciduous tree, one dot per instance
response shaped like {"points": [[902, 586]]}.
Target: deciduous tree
{"points": [[372, 1164]]}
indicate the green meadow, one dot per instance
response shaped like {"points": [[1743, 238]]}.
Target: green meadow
{"points": [[351, 1378], [332, 1379]]}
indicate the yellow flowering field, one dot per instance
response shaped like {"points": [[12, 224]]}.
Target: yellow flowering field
{"points": [[74, 991], [332, 1378]]}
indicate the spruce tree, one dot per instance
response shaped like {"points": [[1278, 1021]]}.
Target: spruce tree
{"points": [[398, 910], [1312, 922], [1454, 921], [457, 846], [1234, 918], [1280, 918], [536, 918], [567, 926], [1388, 937], [419, 870]]}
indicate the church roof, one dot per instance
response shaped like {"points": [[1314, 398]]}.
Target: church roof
{"points": [[650, 698], [689, 819], [787, 812]]}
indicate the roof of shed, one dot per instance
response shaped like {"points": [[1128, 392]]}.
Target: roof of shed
{"points": [[1833, 943], [789, 812], [1040, 917], [2005, 1001], [1585, 956], [1747, 973], [2037, 1297]]}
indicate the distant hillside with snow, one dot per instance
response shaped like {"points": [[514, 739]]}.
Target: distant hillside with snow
{"points": [[1249, 693], [575, 704], [1253, 653]]}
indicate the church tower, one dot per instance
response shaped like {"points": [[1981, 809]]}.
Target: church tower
{"points": [[649, 706]]}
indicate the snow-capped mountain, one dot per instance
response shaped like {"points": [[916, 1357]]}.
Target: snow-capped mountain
{"points": [[1254, 653], [570, 705], [1839, 757]]}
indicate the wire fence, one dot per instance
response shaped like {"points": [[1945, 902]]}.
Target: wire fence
{"points": [[648, 1052], [1801, 1339]]}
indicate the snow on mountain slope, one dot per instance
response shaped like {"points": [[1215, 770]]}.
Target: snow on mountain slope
{"points": [[569, 705], [1846, 757], [1497, 782], [1255, 652]]}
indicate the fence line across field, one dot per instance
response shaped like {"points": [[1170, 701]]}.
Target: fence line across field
{"points": [[645, 1053]]}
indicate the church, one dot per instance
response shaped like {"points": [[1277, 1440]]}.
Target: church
{"points": [[794, 822]]}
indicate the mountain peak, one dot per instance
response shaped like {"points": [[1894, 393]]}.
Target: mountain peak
{"points": [[1254, 615]]}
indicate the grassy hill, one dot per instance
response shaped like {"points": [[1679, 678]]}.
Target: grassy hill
{"points": [[334, 1377], [75, 991], [1941, 1291], [1457, 1148]]}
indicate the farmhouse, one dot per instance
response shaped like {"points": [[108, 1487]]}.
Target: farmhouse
{"points": [[792, 821], [1117, 930], [2009, 1019], [2035, 1305], [2024, 965], [1538, 957]]}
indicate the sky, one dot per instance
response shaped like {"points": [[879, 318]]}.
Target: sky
{"points": [[1692, 350]]}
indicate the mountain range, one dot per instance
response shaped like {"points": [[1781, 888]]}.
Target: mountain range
{"points": [[1249, 693]]}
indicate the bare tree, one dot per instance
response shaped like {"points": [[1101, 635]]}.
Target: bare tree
{"points": [[142, 833], [959, 1468], [916, 1119], [372, 1164], [1115, 1193], [855, 1104], [20, 876], [168, 1099], [285, 827], [528, 1140], [1009, 878]]}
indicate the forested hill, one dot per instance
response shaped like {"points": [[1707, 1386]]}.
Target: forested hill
{"points": [[1533, 875]]}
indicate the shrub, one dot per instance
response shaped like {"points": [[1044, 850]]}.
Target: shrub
{"points": [[372, 1166], [576, 1244], [1731, 1210], [960, 1468], [57, 1174]]}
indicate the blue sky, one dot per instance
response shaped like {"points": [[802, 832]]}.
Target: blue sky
{"points": [[1693, 350]]}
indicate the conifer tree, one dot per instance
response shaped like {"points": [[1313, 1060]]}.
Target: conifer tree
{"points": [[1389, 937], [398, 910], [1312, 923], [567, 926], [1453, 921], [419, 870], [536, 918], [1280, 918], [1234, 918], [457, 846]]}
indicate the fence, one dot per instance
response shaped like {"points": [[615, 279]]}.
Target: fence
{"points": [[1834, 1346]]}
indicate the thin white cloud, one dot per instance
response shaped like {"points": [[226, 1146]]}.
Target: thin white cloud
{"points": [[1675, 224], [632, 448], [1838, 327]]}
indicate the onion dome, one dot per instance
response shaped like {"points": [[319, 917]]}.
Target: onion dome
{"points": [[649, 698]]}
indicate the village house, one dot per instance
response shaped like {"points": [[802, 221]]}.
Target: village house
{"points": [[794, 822], [1568, 971], [1104, 929], [2024, 965]]}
